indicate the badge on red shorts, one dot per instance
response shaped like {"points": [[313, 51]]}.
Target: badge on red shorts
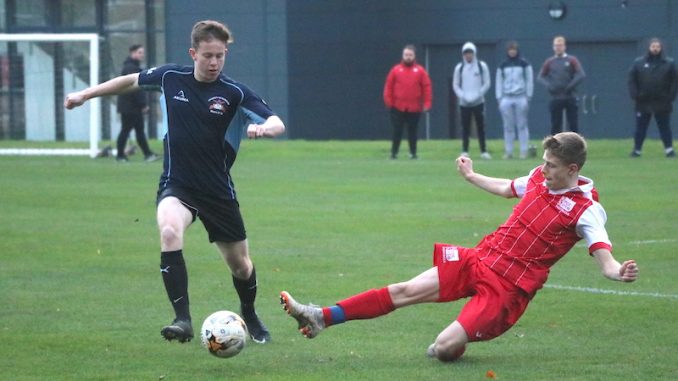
{"points": [[450, 254]]}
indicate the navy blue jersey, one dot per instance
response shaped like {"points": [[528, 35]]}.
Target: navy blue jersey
{"points": [[204, 124]]}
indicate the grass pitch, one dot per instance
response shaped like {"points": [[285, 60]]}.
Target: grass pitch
{"points": [[81, 296]]}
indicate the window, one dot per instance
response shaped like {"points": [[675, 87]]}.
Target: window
{"points": [[32, 13], [3, 16], [125, 16], [78, 14]]}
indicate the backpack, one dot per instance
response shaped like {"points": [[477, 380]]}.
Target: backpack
{"points": [[480, 69]]}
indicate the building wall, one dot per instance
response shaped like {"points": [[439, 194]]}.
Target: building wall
{"points": [[257, 58], [322, 64], [340, 52]]}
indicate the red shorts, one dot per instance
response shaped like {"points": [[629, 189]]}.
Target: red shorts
{"points": [[495, 304]]}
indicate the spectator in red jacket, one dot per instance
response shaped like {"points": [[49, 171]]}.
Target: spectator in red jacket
{"points": [[407, 93]]}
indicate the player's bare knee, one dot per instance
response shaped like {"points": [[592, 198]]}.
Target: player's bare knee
{"points": [[451, 343], [447, 351], [445, 356], [170, 236], [241, 272]]}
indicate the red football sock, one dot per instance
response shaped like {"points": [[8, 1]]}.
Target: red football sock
{"points": [[368, 304]]}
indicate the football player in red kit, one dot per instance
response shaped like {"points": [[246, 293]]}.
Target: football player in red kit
{"points": [[557, 208]]}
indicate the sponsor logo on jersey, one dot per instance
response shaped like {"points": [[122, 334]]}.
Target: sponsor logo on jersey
{"points": [[151, 70], [218, 105], [565, 204], [450, 254], [180, 96]]}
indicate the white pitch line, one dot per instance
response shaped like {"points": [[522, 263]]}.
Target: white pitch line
{"points": [[651, 241], [613, 292]]}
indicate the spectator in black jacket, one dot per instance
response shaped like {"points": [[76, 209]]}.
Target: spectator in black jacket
{"points": [[131, 107], [653, 85]]}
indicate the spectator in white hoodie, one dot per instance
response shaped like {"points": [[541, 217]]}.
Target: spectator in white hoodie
{"points": [[471, 80], [514, 86]]}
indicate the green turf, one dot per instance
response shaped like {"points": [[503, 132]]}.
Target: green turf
{"points": [[81, 297]]}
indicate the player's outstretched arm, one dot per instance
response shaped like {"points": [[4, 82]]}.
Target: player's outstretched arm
{"points": [[611, 269], [500, 187], [272, 127], [117, 85]]}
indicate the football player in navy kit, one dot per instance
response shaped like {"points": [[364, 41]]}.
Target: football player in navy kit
{"points": [[206, 116]]}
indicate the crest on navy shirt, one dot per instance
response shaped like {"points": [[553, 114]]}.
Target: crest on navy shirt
{"points": [[218, 105]]}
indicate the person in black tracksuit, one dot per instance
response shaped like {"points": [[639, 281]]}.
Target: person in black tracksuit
{"points": [[653, 85], [131, 107]]}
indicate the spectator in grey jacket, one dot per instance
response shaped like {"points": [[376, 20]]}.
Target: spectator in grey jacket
{"points": [[514, 87], [653, 84], [561, 74], [471, 80]]}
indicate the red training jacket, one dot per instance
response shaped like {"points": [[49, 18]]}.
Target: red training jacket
{"points": [[408, 88]]}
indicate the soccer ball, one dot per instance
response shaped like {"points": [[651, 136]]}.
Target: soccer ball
{"points": [[224, 334]]}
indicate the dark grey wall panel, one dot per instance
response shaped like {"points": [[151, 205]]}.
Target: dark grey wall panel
{"points": [[341, 51], [258, 57], [321, 64]]}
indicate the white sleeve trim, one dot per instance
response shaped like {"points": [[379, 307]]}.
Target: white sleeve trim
{"points": [[520, 186], [591, 225]]}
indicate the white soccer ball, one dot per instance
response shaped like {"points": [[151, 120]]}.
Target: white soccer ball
{"points": [[224, 334]]}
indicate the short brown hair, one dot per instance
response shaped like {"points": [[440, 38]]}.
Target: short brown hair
{"points": [[208, 30], [559, 38], [568, 147]]}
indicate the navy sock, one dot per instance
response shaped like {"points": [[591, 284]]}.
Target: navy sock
{"points": [[175, 278], [247, 291]]}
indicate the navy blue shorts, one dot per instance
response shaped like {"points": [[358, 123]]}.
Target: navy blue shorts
{"points": [[221, 217]]}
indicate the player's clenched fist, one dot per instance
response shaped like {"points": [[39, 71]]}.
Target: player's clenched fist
{"points": [[464, 165], [628, 271], [74, 100], [255, 131]]}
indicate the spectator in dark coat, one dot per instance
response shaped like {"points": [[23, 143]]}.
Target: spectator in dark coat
{"points": [[653, 85], [131, 107]]}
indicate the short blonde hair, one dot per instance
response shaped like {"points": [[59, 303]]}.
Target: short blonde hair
{"points": [[559, 38], [208, 30]]}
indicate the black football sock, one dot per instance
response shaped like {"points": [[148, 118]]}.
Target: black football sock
{"points": [[175, 277], [247, 291]]}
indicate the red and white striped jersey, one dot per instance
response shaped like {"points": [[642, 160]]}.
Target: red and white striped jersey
{"points": [[543, 227]]}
